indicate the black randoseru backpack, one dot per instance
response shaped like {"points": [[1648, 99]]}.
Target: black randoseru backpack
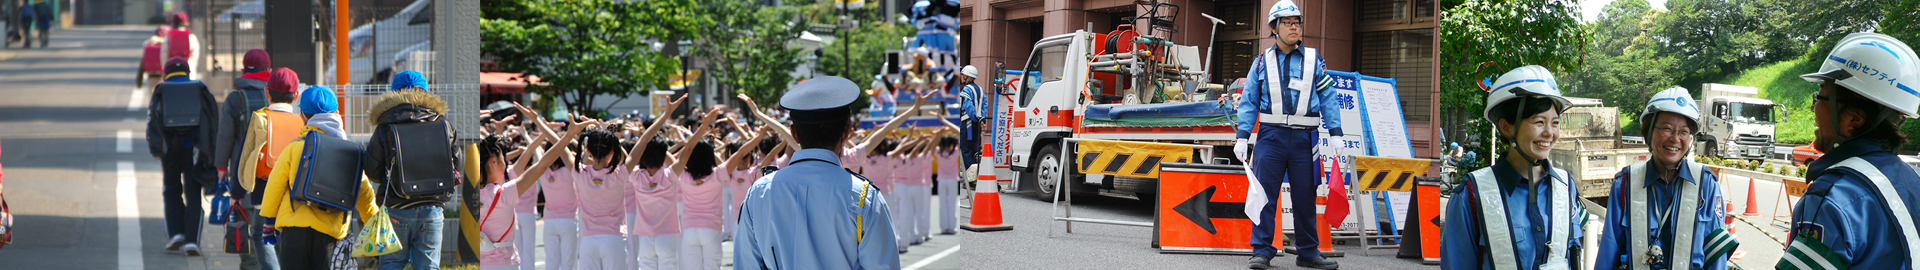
{"points": [[422, 162], [180, 104], [329, 174]]}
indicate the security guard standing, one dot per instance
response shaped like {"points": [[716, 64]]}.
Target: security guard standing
{"points": [[1669, 206], [1290, 95], [800, 216], [1859, 207], [1519, 213]]}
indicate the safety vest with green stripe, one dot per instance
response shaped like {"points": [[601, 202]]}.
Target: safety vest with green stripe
{"points": [[1500, 241], [1683, 219], [1809, 253]]}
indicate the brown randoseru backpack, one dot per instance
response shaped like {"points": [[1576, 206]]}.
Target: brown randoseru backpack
{"points": [[180, 105], [329, 174], [423, 159]]}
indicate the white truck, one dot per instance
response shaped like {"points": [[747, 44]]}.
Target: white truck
{"points": [[1052, 102], [1736, 122], [1590, 147]]}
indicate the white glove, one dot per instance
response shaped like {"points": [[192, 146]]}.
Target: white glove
{"points": [[1240, 150]]}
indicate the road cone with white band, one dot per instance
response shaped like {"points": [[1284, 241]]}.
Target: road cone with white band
{"points": [[986, 198]]}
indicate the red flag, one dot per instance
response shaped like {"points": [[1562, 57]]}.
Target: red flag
{"points": [[1337, 205]]}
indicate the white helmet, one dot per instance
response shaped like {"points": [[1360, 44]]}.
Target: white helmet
{"points": [[1527, 81], [1875, 66], [970, 72], [1674, 100], [1282, 9]]}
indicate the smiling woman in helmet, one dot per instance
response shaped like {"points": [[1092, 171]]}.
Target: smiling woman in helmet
{"points": [[1859, 207], [1519, 213], [1668, 207]]}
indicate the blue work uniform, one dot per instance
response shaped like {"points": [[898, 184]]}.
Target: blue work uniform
{"points": [[1616, 248], [1463, 241], [972, 111], [799, 217], [1846, 212], [1286, 150]]}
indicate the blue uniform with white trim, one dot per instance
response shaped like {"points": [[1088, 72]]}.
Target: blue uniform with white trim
{"points": [[1284, 150], [1464, 245], [1845, 211], [1615, 250]]}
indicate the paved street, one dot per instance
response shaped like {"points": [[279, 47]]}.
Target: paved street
{"points": [[79, 176], [1098, 246]]}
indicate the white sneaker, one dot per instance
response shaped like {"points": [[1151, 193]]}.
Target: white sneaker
{"points": [[174, 245], [191, 249]]}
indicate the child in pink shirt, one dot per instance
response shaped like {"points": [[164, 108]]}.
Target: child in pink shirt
{"points": [[601, 190], [497, 225], [657, 182], [700, 195]]}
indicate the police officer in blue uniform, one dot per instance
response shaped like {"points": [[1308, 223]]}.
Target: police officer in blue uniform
{"points": [[1288, 94], [1859, 206], [814, 214], [1669, 206], [1520, 213]]}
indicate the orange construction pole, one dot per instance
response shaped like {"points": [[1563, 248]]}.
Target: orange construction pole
{"points": [[342, 23]]}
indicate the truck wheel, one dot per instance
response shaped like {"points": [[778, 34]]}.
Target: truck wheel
{"points": [[1048, 172], [1713, 150]]}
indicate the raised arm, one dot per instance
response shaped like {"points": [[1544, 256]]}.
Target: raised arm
{"points": [[525, 153], [677, 162], [874, 139], [547, 158], [777, 151], [641, 146], [786, 136], [746, 147]]}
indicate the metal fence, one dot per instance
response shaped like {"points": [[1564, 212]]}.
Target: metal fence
{"points": [[463, 108]]}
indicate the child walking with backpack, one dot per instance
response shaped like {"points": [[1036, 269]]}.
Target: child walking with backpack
{"points": [[307, 231]]}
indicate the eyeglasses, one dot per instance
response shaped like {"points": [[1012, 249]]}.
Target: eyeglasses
{"points": [[1294, 23], [1671, 131], [1817, 99]]}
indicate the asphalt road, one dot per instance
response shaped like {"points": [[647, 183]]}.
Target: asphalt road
{"points": [[80, 180], [1037, 243]]}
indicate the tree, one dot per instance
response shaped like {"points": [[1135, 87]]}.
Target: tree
{"points": [[870, 41], [751, 46], [1483, 38], [1620, 69], [586, 48]]}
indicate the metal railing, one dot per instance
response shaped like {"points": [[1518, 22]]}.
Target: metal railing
{"points": [[463, 108]]}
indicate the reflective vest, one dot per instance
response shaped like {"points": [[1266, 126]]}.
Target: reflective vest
{"points": [[1493, 217], [1681, 257], [1276, 90], [1809, 253]]}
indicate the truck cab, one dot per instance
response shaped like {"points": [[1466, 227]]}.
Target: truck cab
{"points": [[1738, 127], [1042, 108]]}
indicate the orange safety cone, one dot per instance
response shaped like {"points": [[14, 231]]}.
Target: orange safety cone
{"points": [[1753, 204], [986, 200], [1326, 230]]}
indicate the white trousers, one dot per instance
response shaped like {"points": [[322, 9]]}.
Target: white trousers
{"points": [[633, 243], [563, 243], [524, 239], [922, 197], [898, 209], [603, 252], [727, 216], [949, 204], [659, 252], [699, 249]]}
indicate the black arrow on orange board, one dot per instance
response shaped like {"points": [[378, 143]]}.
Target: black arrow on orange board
{"points": [[1201, 210]]}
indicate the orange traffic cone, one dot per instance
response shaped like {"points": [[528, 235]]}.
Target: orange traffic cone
{"points": [[1326, 230], [986, 199], [1753, 204]]}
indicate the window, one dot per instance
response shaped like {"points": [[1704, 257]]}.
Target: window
{"points": [[1050, 61], [424, 16]]}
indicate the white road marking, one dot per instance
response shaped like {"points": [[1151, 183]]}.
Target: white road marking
{"points": [[123, 141], [133, 104], [931, 259], [129, 206]]}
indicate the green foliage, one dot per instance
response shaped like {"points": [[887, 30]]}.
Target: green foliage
{"points": [[868, 41], [1498, 36], [584, 48], [1620, 70], [750, 45], [1780, 82]]}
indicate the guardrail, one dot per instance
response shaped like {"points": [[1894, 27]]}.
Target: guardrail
{"points": [[463, 108]]}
